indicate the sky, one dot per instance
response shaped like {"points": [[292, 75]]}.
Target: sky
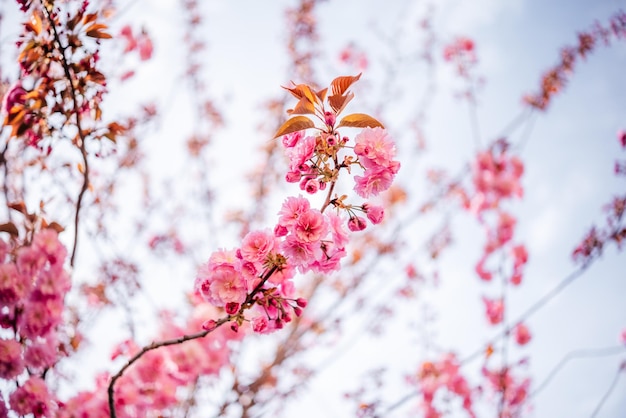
{"points": [[569, 154]]}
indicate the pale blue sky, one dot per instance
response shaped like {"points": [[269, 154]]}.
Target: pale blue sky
{"points": [[569, 160]]}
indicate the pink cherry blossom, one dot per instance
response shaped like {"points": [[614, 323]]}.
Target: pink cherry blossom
{"points": [[481, 271], [311, 186], [290, 140], [41, 353], [443, 375], [374, 146], [522, 334], [293, 176], [11, 363], [300, 253], [621, 136], [256, 245], [219, 282], [339, 234], [301, 153], [374, 213], [261, 325], [13, 287], [494, 309], [373, 182], [47, 242], [292, 209], [506, 225], [32, 398], [311, 226], [330, 261], [145, 47], [496, 176], [514, 390]]}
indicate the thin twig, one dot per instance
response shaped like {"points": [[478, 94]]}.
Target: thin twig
{"points": [[620, 369], [5, 183], [532, 309], [506, 331], [577, 354]]}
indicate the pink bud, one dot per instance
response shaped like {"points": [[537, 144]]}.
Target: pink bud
{"points": [[292, 177], [209, 325], [280, 231], [329, 118], [522, 335], [621, 135], [301, 302], [356, 223], [232, 308], [312, 186], [290, 140]]}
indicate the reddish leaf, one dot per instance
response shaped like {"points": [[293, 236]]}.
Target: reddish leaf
{"points": [[34, 24], [55, 226], [304, 107], [341, 84], [19, 206], [321, 94], [359, 120], [91, 17], [338, 102], [10, 228], [97, 31], [297, 123]]}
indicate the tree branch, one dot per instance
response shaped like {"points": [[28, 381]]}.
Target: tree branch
{"points": [[188, 337], [577, 354], [81, 133], [154, 346]]}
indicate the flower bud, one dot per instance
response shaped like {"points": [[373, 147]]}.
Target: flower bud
{"points": [[329, 118], [292, 177], [232, 308], [209, 325], [356, 223]]}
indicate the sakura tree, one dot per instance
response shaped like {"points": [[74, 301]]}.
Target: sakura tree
{"points": [[311, 208]]}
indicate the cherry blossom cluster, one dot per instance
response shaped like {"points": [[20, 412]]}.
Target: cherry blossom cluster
{"points": [[514, 390], [462, 54], [133, 42], [555, 79], [33, 284], [435, 379], [614, 231], [353, 56], [496, 178], [259, 273], [137, 42]]}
